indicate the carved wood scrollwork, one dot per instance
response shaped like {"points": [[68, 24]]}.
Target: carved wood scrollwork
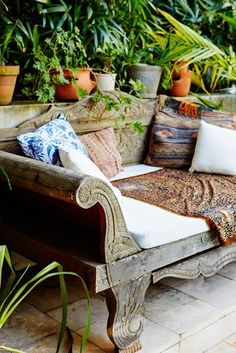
{"points": [[126, 300], [206, 265], [125, 322], [88, 111], [117, 242]]}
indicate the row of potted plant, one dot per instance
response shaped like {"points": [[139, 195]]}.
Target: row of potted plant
{"points": [[60, 63]]}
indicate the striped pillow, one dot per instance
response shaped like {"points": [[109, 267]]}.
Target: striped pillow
{"points": [[172, 141], [101, 146], [173, 136]]}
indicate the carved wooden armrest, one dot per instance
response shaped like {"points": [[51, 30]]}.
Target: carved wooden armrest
{"points": [[117, 241], [78, 189]]}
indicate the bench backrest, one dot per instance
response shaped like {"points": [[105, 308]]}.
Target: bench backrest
{"points": [[85, 116]]}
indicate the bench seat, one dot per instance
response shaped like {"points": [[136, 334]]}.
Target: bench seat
{"points": [[152, 226]]}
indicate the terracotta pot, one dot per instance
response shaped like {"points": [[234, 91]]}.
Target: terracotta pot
{"points": [[182, 69], [67, 92], [8, 76], [181, 81]]}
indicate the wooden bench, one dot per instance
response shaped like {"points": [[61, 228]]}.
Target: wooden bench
{"points": [[53, 213]]}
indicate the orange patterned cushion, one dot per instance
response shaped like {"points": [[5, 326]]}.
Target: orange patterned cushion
{"points": [[101, 146]]}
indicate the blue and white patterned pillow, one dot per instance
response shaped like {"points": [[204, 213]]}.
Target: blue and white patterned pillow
{"points": [[43, 143]]}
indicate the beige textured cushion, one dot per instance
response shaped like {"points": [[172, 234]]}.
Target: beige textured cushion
{"points": [[101, 146], [215, 150]]}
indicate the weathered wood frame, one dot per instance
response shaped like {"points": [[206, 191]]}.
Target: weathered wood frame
{"points": [[122, 269]]}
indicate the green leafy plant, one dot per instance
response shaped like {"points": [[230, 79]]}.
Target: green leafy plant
{"points": [[104, 59], [63, 50], [133, 87], [214, 19], [208, 103], [221, 71], [95, 19], [14, 289], [117, 33], [181, 44], [5, 41], [120, 102]]}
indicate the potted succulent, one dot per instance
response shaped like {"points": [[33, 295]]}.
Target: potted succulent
{"points": [[61, 68], [104, 63], [8, 73]]}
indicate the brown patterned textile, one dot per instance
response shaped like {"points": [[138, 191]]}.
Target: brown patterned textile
{"points": [[208, 196]]}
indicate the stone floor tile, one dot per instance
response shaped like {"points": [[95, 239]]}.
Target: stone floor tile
{"points": [[217, 290], [229, 271], [77, 312], [171, 281], [174, 349], [210, 336], [26, 326], [89, 347], [155, 338], [221, 348], [179, 312], [231, 340], [49, 345], [50, 289], [98, 335]]}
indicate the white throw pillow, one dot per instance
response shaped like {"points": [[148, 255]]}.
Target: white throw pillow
{"points": [[79, 162], [215, 150]]}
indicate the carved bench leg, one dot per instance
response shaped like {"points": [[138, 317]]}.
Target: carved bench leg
{"points": [[125, 324]]}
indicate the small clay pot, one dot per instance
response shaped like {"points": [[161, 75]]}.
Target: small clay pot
{"points": [[181, 87], [8, 76], [181, 81]]}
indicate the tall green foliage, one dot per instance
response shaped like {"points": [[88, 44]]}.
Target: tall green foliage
{"points": [[215, 19], [14, 289], [123, 26]]}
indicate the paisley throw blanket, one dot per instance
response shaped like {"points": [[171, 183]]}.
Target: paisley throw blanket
{"points": [[209, 196]]}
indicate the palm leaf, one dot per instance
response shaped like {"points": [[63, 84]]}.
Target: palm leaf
{"points": [[197, 78], [230, 20], [208, 103], [194, 47]]}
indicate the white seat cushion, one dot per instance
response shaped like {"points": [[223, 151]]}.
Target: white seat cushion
{"points": [[152, 226]]}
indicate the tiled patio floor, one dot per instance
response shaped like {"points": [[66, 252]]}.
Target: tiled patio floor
{"points": [[181, 317]]}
